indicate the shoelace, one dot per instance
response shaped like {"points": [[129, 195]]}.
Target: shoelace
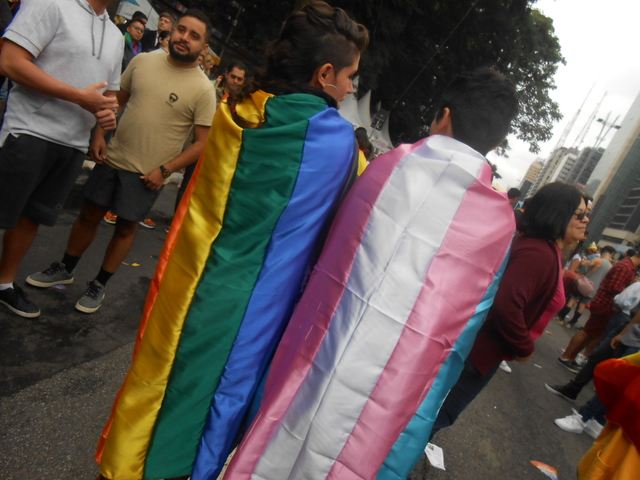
{"points": [[53, 269], [93, 291]]}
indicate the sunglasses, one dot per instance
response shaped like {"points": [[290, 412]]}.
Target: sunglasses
{"points": [[582, 215]]}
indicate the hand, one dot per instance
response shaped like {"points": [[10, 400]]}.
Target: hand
{"points": [[92, 99], [154, 179], [615, 341], [98, 149], [107, 119]]}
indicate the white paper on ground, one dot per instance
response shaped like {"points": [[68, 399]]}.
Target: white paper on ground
{"points": [[435, 455]]}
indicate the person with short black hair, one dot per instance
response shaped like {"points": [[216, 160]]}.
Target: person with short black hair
{"points": [[163, 42], [132, 45], [232, 80], [394, 291], [513, 195], [137, 15]]}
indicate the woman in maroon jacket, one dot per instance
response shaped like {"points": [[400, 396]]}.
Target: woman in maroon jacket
{"points": [[530, 293]]}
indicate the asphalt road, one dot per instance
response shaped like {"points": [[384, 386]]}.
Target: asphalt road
{"points": [[60, 373]]}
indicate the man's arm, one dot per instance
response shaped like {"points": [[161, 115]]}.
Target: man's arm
{"points": [[616, 340], [107, 120], [595, 264], [17, 64], [154, 179]]}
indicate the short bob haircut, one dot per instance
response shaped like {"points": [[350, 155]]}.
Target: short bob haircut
{"points": [[549, 211]]}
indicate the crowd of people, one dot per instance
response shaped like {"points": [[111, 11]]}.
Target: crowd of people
{"points": [[304, 298]]}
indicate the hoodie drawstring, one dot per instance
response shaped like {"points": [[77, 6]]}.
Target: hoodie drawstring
{"points": [[84, 5]]}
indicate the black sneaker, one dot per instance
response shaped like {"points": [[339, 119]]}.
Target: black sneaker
{"points": [[561, 391], [18, 302], [570, 365]]}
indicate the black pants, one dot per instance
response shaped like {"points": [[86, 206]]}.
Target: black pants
{"points": [[468, 386], [601, 353]]}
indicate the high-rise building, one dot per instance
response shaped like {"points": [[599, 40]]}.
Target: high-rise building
{"points": [[550, 171], [584, 165], [530, 177], [615, 185]]}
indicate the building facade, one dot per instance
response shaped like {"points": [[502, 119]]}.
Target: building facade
{"points": [[615, 185]]}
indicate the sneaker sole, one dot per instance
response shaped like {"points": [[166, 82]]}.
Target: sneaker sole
{"points": [[555, 392], [150, 227], [577, 432], [84, 309], [36, 283], [18, 312]]}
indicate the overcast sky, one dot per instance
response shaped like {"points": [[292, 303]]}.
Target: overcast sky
{"points": [[599, 41]]}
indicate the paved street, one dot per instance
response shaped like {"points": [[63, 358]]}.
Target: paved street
{"points": [[60, 372]]}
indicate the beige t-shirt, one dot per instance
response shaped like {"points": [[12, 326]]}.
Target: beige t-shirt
{"points": [[164, 104]]}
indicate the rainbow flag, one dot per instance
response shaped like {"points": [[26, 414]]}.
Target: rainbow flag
{"points": [[390, 313], [226, 283]]}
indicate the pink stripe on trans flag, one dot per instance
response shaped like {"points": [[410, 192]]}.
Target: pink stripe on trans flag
{"points": [[461, 272]]}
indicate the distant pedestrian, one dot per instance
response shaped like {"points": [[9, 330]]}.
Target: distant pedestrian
{"points": [[62, 55], [601, 310], [232, 80], [165, 96], [514, 196], [150, 39], [132, 45]]}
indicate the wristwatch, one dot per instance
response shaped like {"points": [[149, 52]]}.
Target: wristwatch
{"points": [[166, 173]]}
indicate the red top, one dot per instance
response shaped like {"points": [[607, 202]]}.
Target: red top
{"points": [[615, 281], [527, 287]]}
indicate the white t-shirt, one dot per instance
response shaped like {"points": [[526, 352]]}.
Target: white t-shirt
{"points": [[74, 45]]}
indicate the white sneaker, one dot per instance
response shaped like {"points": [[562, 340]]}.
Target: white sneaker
{"points": [[593, 428], [573, 423], [581, 360], [504, 366]]}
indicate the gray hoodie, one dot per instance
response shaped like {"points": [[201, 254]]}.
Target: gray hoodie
{"points": [[74, 45]]}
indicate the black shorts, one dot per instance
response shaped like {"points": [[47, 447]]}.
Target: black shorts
{"points": [[36, 177], [123, 192]]}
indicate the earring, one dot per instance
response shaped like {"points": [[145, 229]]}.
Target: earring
{"points": [[329, 85]]}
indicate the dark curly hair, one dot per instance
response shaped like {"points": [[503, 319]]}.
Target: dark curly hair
{"points": [[312, 36]]}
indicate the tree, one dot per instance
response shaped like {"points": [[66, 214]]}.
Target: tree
{"points": [[448, 37]]}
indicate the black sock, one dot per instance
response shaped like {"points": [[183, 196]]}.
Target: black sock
{"points": [[575, 318], [563, 313], [70, 262], [103, 276]]}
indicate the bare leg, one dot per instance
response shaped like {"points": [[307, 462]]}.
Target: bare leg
{"points": [[593, 343], [85, 229], [120, 244], [576, 344], [15, 245]]}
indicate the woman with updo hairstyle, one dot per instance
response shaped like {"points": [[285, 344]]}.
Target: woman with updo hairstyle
{"points": [[249, 227], [531, 292]]}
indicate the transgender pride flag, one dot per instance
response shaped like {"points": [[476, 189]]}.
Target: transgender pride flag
{"points": [[391, 311]]}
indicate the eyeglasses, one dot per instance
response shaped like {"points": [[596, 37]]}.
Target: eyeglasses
{"points": [[138, 29], [582, 215]]}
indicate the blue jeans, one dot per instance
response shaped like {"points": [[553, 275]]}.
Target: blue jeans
{"points": [[594, 407]]}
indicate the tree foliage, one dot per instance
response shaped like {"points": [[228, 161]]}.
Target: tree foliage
{"points": [[448, 37]]}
